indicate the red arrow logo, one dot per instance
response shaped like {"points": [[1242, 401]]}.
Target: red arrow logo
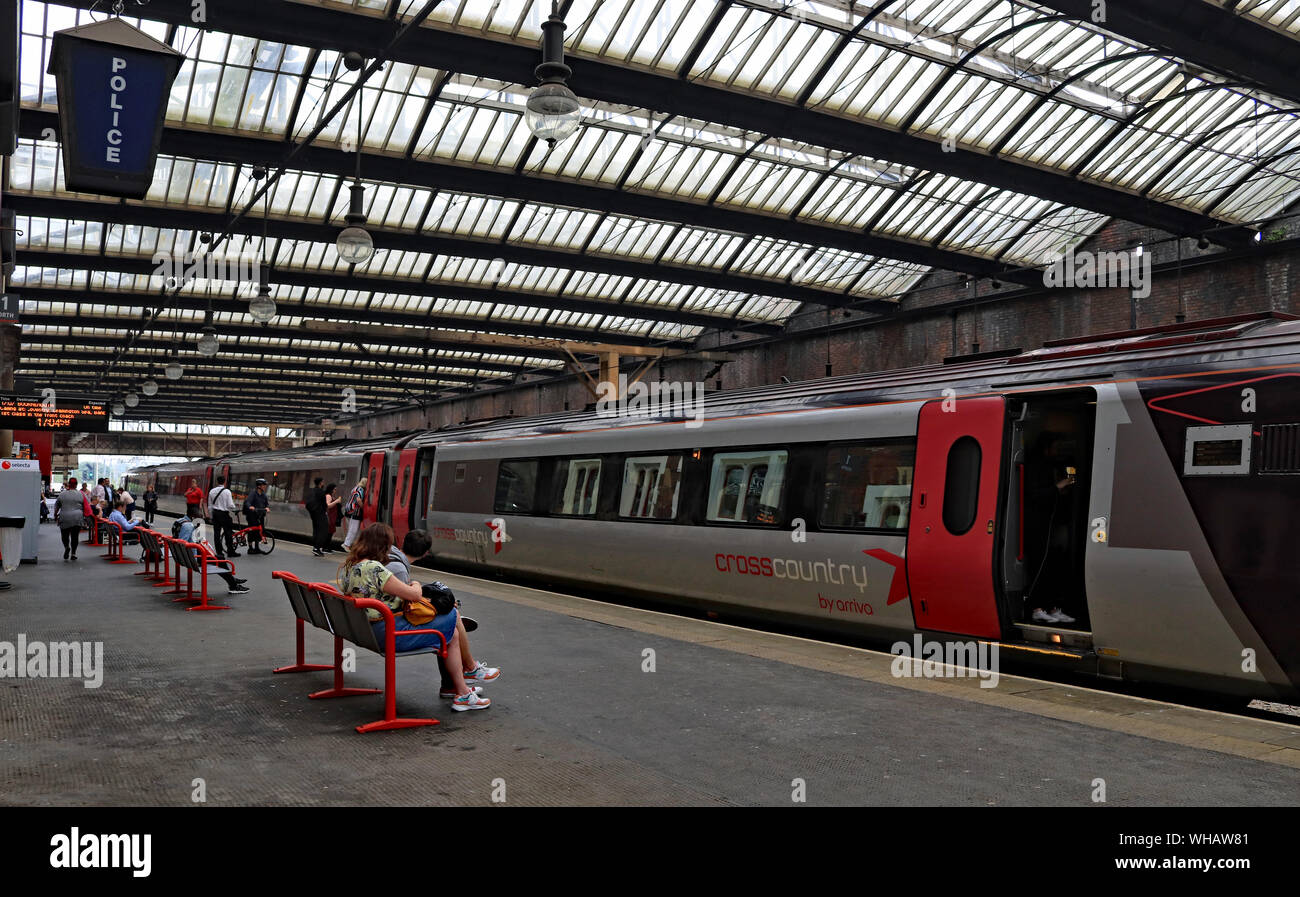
{"points": [[897, 583]]}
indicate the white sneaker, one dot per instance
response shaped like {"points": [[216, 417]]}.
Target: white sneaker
{"points": [[1061, 616], [471, 701], [448, 695], [482, 673], [1042, 616]]}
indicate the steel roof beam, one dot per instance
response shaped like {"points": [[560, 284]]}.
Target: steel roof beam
{"points": [[626, 86]]}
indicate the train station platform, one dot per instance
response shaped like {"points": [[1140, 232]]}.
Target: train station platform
{"points": [[729, 716]]}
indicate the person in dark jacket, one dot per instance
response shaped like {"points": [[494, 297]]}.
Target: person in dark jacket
{"points": [[314, 502], [150, 503], [255, 505]]}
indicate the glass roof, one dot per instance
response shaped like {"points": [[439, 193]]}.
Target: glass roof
{"points": [[701, 224]]}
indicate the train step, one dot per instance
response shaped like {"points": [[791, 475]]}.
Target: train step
{"points": [[1055, 637], [1046, 649]]}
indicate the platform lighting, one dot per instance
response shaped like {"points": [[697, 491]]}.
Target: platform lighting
{"points": [[174, 368], [149, 387], [132, 400], [118, 409], [262, 306], [354, 243], [553, 111], [208, 344], [1203, 242]]}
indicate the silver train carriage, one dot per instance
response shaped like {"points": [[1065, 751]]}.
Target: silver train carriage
{"points": [[1145, 482]]}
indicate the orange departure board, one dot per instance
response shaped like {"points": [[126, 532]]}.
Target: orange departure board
{"points": [[57, 413]]}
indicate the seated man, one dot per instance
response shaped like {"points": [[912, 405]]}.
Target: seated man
{"points": [[191, 530], [118, 517], [416, 545]]}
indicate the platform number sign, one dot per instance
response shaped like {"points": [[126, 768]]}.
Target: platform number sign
{"points": [[9, 308]]}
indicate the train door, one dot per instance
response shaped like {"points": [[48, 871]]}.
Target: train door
{"points": [[422, 490], [952, 528], [374, 468], [404, 493]]}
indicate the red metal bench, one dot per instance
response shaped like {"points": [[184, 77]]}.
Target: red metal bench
{"points": [[344, 617], [116, 541], [194, 558]]}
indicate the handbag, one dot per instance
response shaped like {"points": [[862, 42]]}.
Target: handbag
{"points": [[438, 600]]}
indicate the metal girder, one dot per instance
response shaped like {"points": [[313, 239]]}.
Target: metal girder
{"points": [[623, 85], [395, 336], [279, 277], [137, 359], [310, 354], [1204, 34], [231, 148]]}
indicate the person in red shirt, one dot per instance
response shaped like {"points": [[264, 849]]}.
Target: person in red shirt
{"points": [[193, 501]]}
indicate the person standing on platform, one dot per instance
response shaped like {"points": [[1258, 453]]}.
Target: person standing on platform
{"points": [[150, 503], [222, 504], [194, 501], [71, 507], [353, 511], [332, 515], [255, 506], [314, 502]]}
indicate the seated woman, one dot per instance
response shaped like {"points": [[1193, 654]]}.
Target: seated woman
{"points": [[363, 574]]}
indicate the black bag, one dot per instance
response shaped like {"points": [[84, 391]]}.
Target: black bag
{"points": [[441, 597], [176, 527]]}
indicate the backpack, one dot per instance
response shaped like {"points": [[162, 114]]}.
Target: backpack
{"points": [[353, 507], [176, 527]]}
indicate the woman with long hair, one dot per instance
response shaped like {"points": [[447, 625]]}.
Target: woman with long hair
{"points": [[363, 573], [332, 504], [354, 510]]}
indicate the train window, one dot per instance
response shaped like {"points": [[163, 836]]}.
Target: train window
{"points": [[868, 486], [405, 492], [961, 485], [577, 484], [746, 487], [650, 487], [516, 487]]}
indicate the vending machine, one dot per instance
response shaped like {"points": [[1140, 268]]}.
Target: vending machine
{"points": [[20, 496]]}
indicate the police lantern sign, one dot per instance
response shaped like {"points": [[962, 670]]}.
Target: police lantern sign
{"points": [[113, 83]]}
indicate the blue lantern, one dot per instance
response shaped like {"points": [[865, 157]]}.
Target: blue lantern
{"points": [[113, 83]]}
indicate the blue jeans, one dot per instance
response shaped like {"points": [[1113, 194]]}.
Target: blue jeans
{"points": [[444, 623]]}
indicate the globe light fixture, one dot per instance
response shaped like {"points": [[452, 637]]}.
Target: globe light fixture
{"points": [[174, 368], [354, 243], [132, 400], [149, 387], [118, 409], [208, 343], [262, 307], [553, 111]]}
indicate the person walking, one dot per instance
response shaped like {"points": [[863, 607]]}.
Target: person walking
{"points": [[353, 512], [222, 504], [72, 508], [150, 503]]}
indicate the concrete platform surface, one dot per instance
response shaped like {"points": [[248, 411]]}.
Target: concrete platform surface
{"points": [[188, 706]]}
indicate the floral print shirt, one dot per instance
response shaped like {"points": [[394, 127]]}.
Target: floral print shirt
{"points": [[367, 580]]}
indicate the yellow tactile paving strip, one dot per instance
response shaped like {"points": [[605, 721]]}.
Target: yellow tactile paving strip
{"points": [[1265, 740]]}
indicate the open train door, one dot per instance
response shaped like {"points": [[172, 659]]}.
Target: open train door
{"points": [[403, 494], [952, 530], [374, 486]]}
